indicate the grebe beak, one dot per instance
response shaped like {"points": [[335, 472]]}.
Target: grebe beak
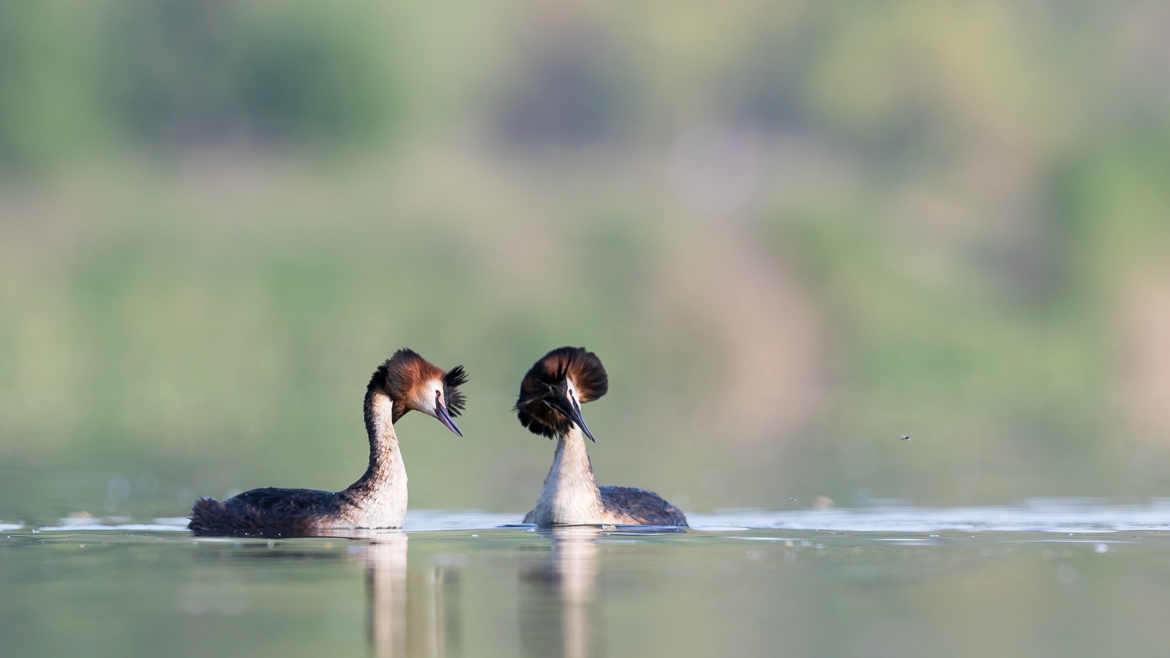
{"points": [[575, 416], [445, 419], [567, 406]]}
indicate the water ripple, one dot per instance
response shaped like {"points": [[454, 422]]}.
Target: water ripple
{"points": [[1068, 516]]}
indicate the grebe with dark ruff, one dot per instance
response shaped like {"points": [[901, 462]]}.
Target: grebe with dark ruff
{"points": [[550, 401], [404, 382]]}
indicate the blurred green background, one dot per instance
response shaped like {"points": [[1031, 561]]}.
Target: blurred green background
{"points": [[793, 232]]}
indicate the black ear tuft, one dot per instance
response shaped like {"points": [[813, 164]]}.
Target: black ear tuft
{"points": [[456, 376], [546, 379], [452, 380]]}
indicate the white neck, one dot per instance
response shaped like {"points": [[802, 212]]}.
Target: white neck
{"points": [[379, 496], [570, 495]]}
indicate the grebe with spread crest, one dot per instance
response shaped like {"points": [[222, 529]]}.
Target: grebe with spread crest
{"points": [[551, 396], [405, 382]]}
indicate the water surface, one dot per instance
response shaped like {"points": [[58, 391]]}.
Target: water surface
{"points": [[1048, 578]]}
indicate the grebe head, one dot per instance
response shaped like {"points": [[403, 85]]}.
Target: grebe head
{"points": [[412, 382], [556, 386]]}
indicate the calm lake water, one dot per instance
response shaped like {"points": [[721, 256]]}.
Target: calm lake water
{"points": [[1049, 578]]}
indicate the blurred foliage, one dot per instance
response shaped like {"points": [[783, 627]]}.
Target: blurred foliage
{"points": [[183, 72], [793, 232], [177, 74], [47, 98]]}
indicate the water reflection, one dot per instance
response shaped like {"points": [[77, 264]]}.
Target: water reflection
{"points": [[385, 562], [557, 601], [410, 612], [414, 611], [575, 592]]}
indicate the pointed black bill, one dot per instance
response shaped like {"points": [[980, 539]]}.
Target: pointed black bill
{"points": [[575, 416], [445, 418]]}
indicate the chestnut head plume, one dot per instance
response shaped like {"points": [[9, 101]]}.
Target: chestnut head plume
{"points": [[551, 392], [412, 382]]}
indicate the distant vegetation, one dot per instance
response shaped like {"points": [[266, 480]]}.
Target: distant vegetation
{"points": [[176, 74]]}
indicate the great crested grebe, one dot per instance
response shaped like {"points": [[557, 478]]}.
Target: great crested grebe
{"points": [[550, 401], [404, 382]]}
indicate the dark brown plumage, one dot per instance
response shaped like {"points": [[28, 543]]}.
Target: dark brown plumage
{"points": [[265, 512], [641, 506], [547, 380]]}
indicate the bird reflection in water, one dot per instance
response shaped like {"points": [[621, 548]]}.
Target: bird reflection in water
{"points": [[385, 562], [408, 612], [558, 604]]}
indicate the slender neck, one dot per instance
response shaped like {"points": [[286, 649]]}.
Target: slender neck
{"points": [[570, 491], [386, 472]]}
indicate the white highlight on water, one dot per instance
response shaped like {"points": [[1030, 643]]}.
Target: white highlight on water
{"points": [[1037, 515], [1045, 515]]}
